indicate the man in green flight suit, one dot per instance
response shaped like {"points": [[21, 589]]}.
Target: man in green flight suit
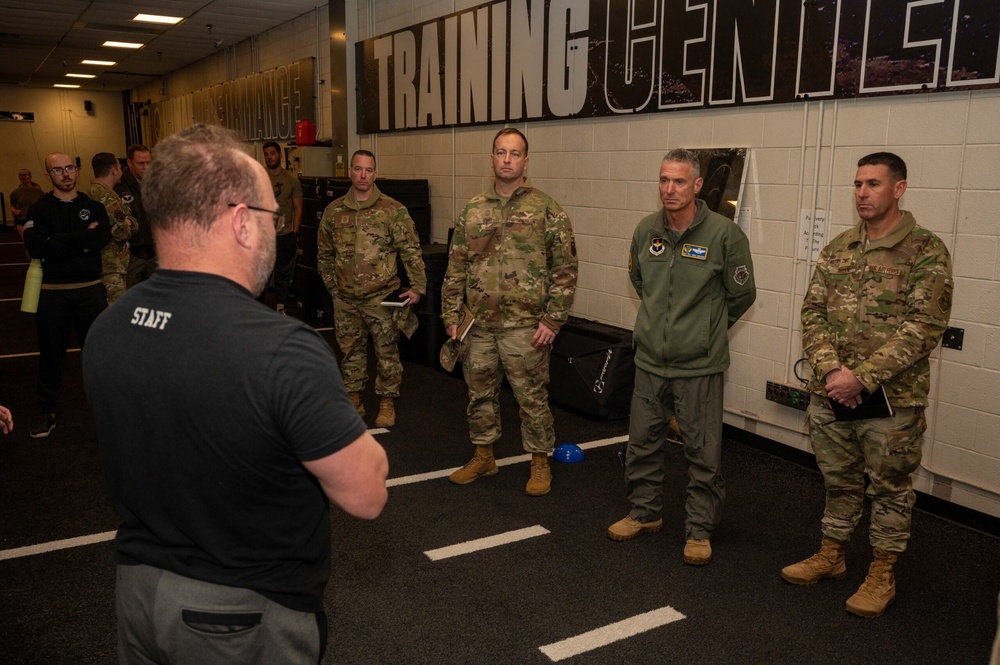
{"points": [[694, 275]]}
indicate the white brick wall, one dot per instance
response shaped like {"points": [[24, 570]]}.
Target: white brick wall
{"points": [[603, 171]]}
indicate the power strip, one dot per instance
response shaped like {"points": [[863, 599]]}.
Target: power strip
{"points": [[793, 396]]}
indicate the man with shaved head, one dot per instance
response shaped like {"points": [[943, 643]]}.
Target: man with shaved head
{"points": [[66, 229]]}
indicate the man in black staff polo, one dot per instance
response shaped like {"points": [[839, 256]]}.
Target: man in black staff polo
{"points": [[66, 229], [228, 435]]}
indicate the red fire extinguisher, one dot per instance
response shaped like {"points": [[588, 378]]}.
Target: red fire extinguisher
{"points": [[305, 132]]}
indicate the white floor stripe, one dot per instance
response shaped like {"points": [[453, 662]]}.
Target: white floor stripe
{"points": [[80, 541], [486, 543], [619, 630], [33, 353], [10, 300], [392, 482], [431, 475]]}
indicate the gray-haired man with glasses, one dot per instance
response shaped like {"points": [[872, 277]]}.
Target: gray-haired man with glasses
{"points": [[66, 229]]}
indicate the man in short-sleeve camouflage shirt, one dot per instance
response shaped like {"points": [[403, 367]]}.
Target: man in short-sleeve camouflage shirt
{"points": [[878, 304], [288, 193]]}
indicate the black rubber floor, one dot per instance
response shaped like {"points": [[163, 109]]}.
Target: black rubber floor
{"points": [[388, 602]]}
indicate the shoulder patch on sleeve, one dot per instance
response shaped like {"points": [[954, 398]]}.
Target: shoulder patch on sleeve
{"points": [[741, 275]]}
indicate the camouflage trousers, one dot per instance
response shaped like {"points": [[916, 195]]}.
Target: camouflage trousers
{"points": [[493, 354], [888, 450], [114, 282], [354, 320], [697, 403]]}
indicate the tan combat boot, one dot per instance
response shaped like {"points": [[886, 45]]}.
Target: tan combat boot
{"points": [[386, 413], [697, 552], [628, 528], [481, 464], [540, 481], [879, 588], [827, 563], [356, 403]]}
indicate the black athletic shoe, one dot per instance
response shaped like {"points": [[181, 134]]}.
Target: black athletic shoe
{"points": [[44, 426]]}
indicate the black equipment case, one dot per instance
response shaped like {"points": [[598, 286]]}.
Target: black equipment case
{"points": [[593, 369]]}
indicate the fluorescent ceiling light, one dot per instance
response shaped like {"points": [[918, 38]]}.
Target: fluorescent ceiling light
{"points": [[65, 85], [104, 63], [81, 76], [122, 44], [153, 18]]}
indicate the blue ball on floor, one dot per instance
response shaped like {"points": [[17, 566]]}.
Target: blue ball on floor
{"points": [[568, 453]]}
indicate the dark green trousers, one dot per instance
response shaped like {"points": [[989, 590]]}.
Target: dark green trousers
{"points": [[697, 403]]}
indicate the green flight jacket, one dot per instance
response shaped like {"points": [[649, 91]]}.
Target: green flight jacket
{"points": [[879, 310], [692, 292]]}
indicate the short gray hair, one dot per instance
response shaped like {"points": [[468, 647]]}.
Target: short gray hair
{"points": [[684, 157]]}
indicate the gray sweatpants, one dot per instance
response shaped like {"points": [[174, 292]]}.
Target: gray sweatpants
{"points": [[697, 403], [168, 618]]}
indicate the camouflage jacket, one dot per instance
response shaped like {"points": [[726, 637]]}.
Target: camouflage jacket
{"points": [[357, 244], [115, 255], [514, 265], [879, 310]]}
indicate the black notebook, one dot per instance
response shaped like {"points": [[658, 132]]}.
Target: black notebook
{"points": [[873, 405]]}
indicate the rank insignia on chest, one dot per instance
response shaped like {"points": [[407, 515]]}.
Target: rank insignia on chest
{"points": [[690, 251], [656, 247]]}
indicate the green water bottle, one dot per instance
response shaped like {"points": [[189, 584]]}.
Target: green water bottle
{"points": [[32, 287]]}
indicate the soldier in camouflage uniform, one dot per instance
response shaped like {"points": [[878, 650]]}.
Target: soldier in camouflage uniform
{"points": [[115, 256], [513, 263], [359, 237], [878, 304]]}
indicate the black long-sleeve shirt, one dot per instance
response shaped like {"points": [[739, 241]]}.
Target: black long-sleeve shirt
{"points": [[59, 233]]}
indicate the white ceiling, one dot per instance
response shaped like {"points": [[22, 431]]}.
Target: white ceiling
{"points": [[40, 42]]}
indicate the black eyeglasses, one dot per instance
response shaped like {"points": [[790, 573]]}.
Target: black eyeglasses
{"points": [[279, 219], [59, 170]]}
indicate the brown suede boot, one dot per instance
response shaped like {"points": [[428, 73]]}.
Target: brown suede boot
{"points": [[540, 481], [879, 588], [827, 563], [481, 464], [697, 552], [356, 403], [386, 413]]}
